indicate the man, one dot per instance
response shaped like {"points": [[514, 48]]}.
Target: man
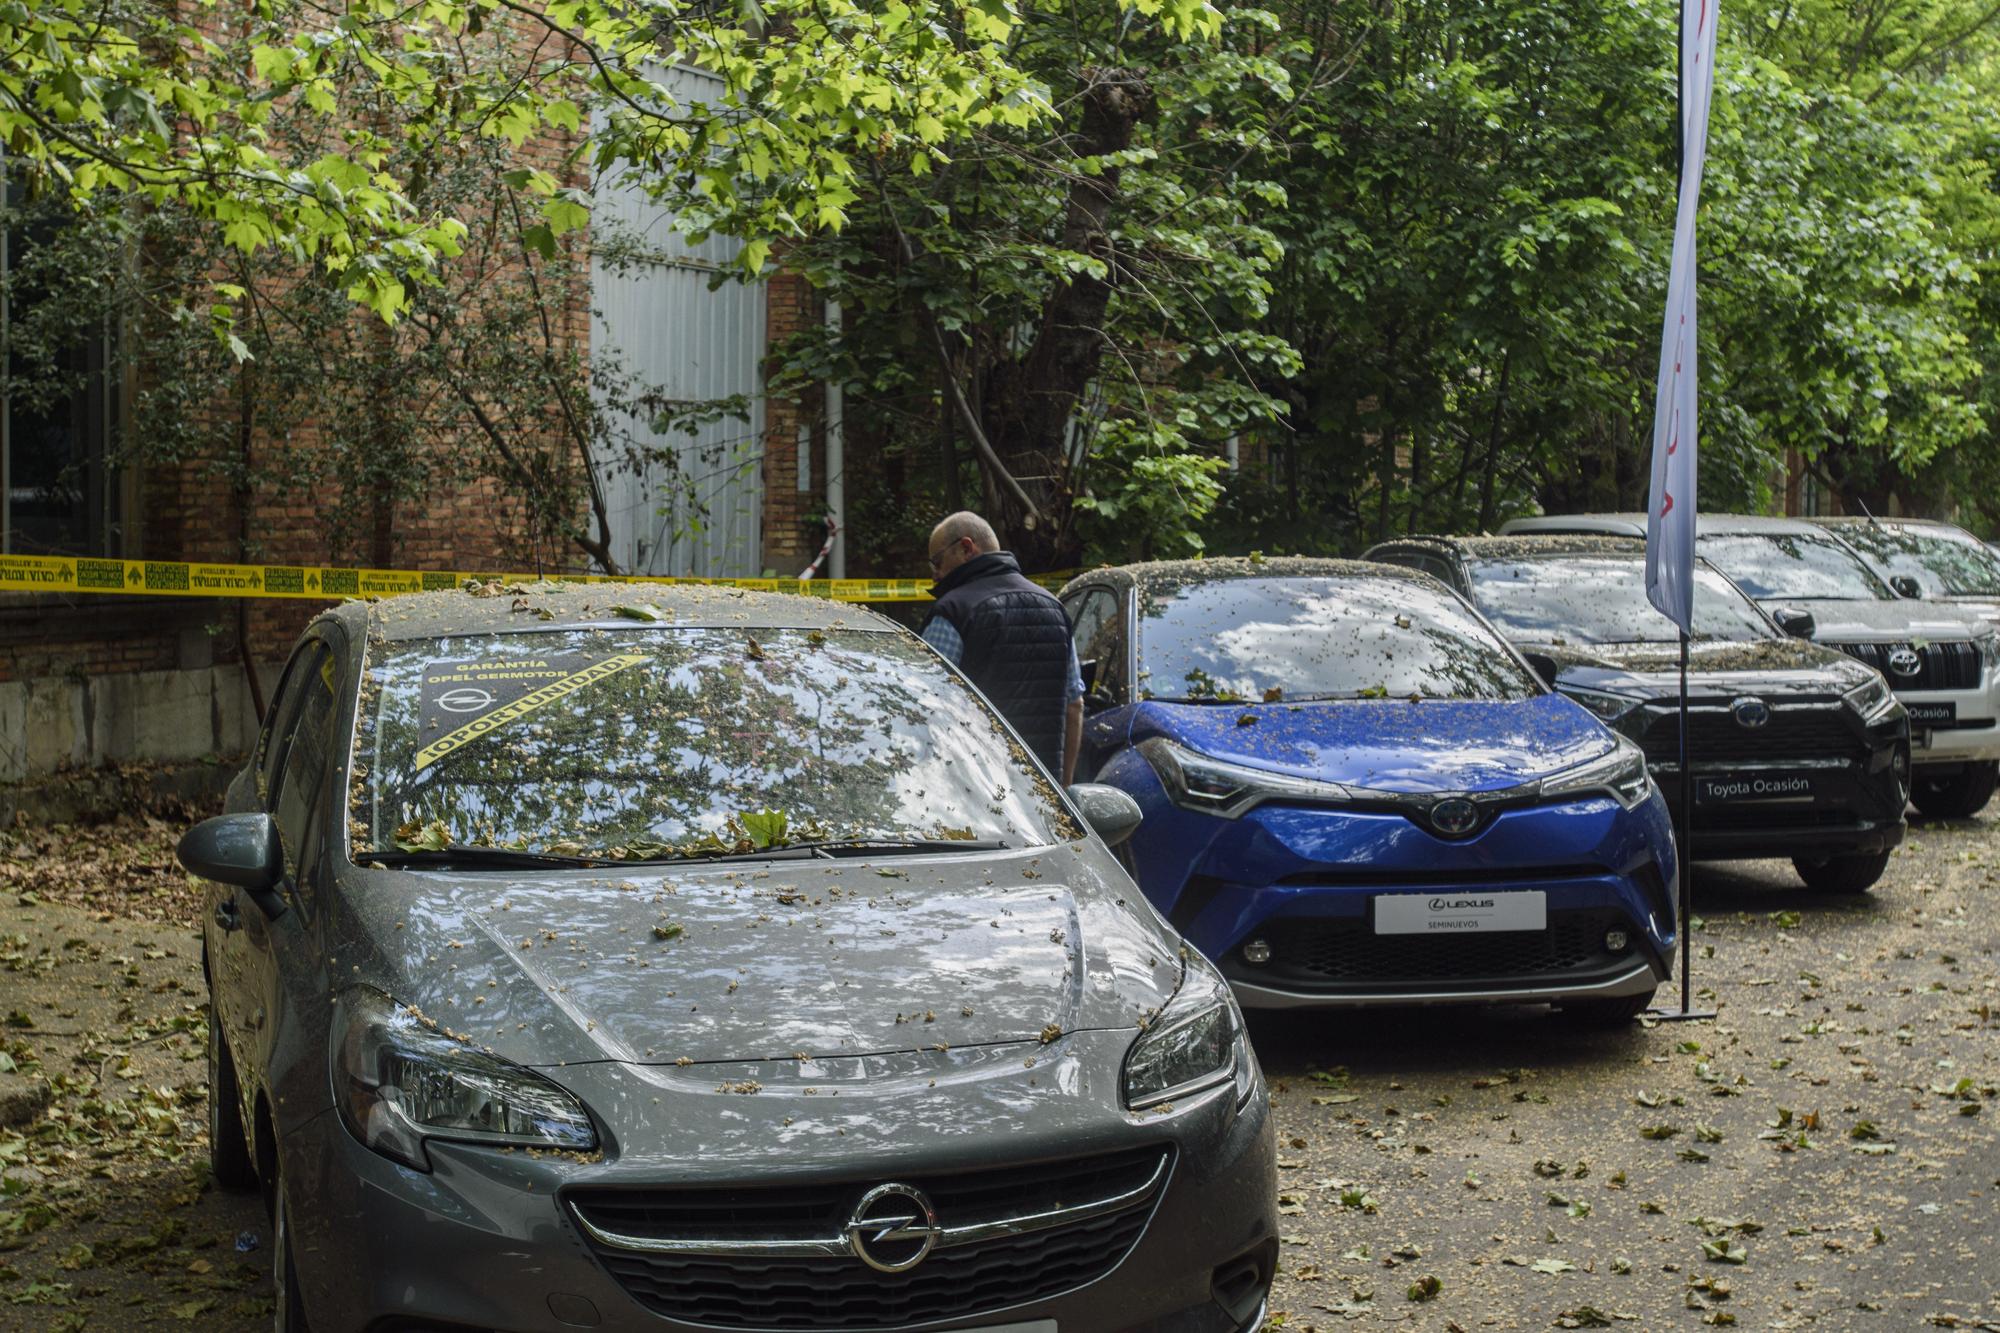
{"points": [[1009, 636]]}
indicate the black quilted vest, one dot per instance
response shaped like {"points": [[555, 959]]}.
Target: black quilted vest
{"points": [[1016, 646]]}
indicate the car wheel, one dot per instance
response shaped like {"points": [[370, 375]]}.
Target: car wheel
{"points": [[289, 1310], [1842, 874], [228, 1149], [1606, 1013], [1960, 796]]}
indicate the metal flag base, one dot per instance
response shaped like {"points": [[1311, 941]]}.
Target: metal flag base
{"points": [[1679, 1015]]}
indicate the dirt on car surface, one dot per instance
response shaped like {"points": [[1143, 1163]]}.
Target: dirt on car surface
{"points": [[1821, 1155]]}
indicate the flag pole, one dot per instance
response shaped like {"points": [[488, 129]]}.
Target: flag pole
{"points": [[1684, 813]]}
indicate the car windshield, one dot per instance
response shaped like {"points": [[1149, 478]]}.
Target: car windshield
{"points": [[1944, 562], [1602, 599], [1772, 565], [672, 742], [1266, 639]]}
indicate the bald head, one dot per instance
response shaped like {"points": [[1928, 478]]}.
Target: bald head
{"points": [[959, 538]]}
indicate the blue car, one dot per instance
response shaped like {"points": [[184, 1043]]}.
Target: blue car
{"points": [[1356, 793]]}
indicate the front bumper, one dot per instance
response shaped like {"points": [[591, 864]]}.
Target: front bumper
{"points": [[1303, 881], [488, 1239], [1849, 810]]}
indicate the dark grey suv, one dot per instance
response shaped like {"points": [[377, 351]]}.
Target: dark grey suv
{"points": [[714, 961]]}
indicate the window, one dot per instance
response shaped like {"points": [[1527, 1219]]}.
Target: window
{"points": [[60, 493], [278, 719], [1094, 631]]}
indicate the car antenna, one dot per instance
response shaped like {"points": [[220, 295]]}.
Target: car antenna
{"points": [[1864, 512]]}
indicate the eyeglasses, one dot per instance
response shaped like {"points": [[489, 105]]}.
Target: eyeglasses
{"points": [[937, 557]]}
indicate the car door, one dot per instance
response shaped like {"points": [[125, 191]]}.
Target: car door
{"points": [[284, 972], [232, 988], [1097, 619]]}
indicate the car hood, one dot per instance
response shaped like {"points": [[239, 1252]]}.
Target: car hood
{"points": [[774, 960], [1770, 667], [1878, 622], [1987, 608], [1388, 744]]}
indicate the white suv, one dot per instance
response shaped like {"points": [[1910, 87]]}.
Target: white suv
{"points": [[1943, 661]]}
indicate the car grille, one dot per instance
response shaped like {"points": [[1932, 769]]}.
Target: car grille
{"points": [[1345, 951], [1714, 736], [1946, 666], [964, 1281]]}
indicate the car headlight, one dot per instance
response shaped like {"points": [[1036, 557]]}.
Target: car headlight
{"points": [[399, 1081], [1989, 650], [1196, 1043], [1218, 787], [1872, 699], [1621, 775], [1609, 706]]}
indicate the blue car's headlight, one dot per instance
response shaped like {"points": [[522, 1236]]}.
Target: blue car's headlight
{"points": [[399, 1082], [1195, 1044], [1217, 787], [1621, 775]]}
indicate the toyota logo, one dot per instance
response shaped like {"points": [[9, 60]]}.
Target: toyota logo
{"points": [[893, 1228], [1905, 662], [1750, 712], [1454, 816]]}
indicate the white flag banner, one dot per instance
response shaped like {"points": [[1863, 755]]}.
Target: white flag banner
{"points": [[1671, 504]]}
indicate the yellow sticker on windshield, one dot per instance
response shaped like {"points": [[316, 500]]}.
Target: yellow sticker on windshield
{"points": [[487, 723]]}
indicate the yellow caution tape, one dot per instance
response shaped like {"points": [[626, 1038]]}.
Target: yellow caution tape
{"points": [[174, 578]]}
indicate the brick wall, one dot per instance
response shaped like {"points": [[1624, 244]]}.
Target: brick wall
{"points": [[789, 541]]}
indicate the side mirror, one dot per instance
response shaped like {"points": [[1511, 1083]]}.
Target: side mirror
{"points": [[243, 850], [1111, 814], [1542, 665], [1905, 586], [1799, 624]]}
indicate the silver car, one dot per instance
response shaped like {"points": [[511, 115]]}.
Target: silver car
{"points": [[629, 958]]}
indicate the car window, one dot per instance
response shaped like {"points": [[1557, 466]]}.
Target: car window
{"points": [[1354, 637], [1771, 565], [1095, 632], [1602, 599], [307, 756], [1944, 562], [278, 718], [656, 742]]}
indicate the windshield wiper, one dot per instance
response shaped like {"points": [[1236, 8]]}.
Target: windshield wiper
{"points": [[460, 855], [834, 847]]}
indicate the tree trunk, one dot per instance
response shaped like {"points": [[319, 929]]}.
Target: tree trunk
{"points": [[1027, 403]]}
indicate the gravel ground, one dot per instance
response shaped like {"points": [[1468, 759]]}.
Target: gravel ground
{"points": [[1822, 1154]]}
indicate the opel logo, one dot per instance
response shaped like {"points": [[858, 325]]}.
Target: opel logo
{"points": [[1750, 712], [466, 699], [1454, 816], [1905, 662], [893, 1228]]}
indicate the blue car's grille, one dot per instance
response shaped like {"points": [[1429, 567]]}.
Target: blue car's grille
{"points": [[1338, 953]]}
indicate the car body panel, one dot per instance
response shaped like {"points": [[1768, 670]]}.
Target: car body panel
{"points": [[1288, 868], [809, 1020], [1873, 627], [1857, 797]]}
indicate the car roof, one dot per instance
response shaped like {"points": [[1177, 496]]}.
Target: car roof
{"points": [[1487, 546], [1634, 524], [507, 608], [1838, 521], [1176, 573]]}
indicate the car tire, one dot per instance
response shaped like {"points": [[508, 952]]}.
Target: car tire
{"points": [[1606, 1013], [1842, 874], [228, 1148], [289, 1306], [1960, 796]]}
